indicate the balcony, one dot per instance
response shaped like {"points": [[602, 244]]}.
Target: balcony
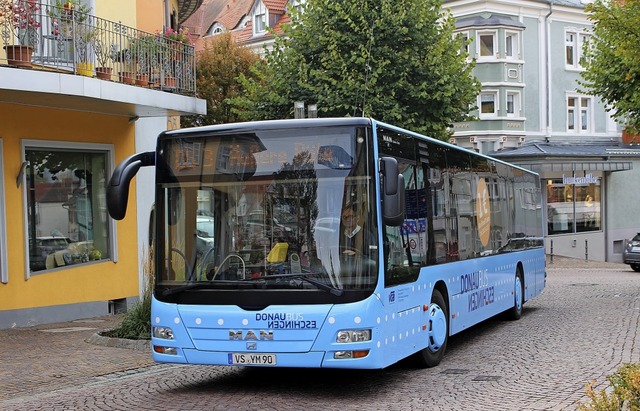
{"points": [[41, 37]]}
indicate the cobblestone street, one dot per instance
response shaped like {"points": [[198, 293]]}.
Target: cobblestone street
{"points": [[584, 325]]}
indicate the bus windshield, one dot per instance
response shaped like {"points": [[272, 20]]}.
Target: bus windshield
{"points": [[287, 214]]}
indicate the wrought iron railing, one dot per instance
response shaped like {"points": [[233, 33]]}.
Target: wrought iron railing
{"points": [[62, 37]]}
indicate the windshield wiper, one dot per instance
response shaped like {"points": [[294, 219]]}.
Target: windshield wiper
{"points": [[335, 291], [205, 284], [193, 286]]}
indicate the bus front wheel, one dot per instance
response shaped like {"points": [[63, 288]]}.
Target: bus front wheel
{"points": [[437, 332]]}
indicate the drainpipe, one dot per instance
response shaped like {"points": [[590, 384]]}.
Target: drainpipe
{"points": [[547, 58], [167, 14]]}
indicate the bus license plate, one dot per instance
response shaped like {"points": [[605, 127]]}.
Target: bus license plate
{"points": [[252, 359]]}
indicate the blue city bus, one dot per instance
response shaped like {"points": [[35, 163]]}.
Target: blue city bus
{"points": [[337, 243]]}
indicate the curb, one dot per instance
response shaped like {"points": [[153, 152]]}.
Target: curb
{"points": [[138, 345]]}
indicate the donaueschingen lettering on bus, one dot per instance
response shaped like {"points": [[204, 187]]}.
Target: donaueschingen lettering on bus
{"points": [[279, 317], [239, 335]]}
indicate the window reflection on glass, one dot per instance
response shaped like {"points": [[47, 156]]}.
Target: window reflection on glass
{"points": [[487, 103], [486, 45], [66, 208], [573, 208]]}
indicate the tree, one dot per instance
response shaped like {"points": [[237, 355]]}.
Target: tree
{"points": [[218, 68], [612, 58], [396, 60]]}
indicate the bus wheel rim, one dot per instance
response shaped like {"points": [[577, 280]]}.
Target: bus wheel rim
{"points": [[437, 327], [518, 293]]}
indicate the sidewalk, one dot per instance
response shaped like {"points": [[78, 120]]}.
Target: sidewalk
{"points": [[54, 356]]}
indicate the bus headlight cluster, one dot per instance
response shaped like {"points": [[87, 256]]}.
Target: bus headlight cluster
{"points": [[349, 336], [165, 333]]}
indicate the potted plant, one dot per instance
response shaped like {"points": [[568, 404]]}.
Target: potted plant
{"points": [[104, 54], [23, 24], [145, 51], [127, 73], [84, 32], [175, 48]]}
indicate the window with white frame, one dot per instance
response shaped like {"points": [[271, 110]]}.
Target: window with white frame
{"points": [[513, 104], [574, 41], [216, 29], [486, 44], [488, 103], [579, 117], [511, 44], [66, 212], [260, 18]]}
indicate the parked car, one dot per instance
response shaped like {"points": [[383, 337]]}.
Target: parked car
{"points": [[631, 253], [43, 247], [204, 233]]}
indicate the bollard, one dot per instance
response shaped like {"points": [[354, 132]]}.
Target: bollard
{"points": [[586, 250], [551, 255]]}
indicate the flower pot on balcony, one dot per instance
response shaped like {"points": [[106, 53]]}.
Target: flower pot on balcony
{"points": [[127, 77], [142, 80], [103, 73], [85, 69], [170, 82], [19, 56]]}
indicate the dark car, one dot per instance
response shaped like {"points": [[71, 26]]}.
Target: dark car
{"points": [[631, 253]]}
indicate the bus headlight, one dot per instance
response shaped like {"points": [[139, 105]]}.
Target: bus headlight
{"points": [[165, 333], [344, 355], [348, 336]]}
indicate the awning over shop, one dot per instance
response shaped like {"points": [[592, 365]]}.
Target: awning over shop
{"points": [[563, 158], [553, 167]]}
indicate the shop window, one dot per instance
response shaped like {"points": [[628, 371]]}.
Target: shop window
{"points": [[573, 205], [67, 220]]}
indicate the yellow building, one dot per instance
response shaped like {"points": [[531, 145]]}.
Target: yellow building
{"points": [[83, 85]]}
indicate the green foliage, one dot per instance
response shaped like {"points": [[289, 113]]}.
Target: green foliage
{"points": [[217, 71], [612, 58], [395, 60], [136, 323], [626, 391]]}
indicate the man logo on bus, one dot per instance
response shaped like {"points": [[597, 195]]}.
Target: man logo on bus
{"points": [[483, 212]]}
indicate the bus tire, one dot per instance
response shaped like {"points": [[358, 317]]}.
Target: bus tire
{"points": [[437, 330], [515, 312]]}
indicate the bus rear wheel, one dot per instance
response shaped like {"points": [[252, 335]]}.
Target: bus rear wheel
{"points": [[515, 312], [437, 332]]}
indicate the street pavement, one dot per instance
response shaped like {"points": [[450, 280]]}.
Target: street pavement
{"points": [[50, 361]]}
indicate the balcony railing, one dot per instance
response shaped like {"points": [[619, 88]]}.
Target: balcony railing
{"points": [[40, 36]]}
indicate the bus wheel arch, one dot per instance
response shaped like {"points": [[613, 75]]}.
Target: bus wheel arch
{"points": [[437, 329], [515, 312]]}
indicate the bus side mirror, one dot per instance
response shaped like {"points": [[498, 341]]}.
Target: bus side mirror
{"points": [[118, 188], [392, 194]]}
